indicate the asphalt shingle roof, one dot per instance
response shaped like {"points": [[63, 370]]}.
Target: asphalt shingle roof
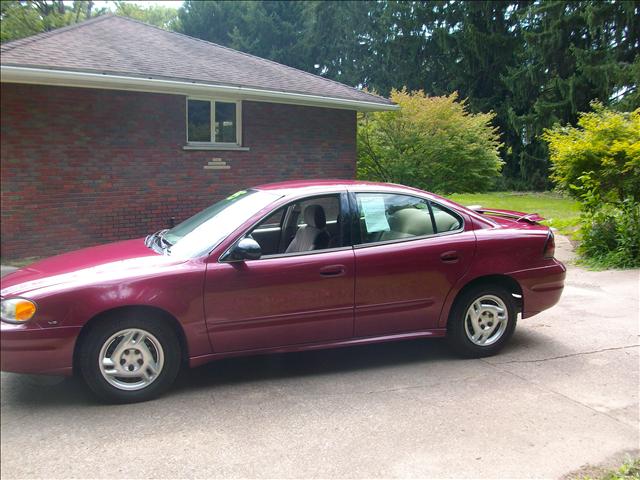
{"points": [[115, 45]]}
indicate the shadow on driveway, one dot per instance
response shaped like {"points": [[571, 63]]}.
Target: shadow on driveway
{"points": [[32, 391]]}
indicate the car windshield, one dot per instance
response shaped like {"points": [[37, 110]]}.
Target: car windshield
{"points": [[205, 230]]}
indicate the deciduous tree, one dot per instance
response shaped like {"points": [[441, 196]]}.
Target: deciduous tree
{"points": [[433, 143]]}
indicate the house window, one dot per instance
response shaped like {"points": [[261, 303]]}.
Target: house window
{"points": [[213, 122]]}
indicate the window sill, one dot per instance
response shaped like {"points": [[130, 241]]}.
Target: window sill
{"points": [[213, 146]]}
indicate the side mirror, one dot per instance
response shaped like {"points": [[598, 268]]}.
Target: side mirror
{"points": [[245, 249]]}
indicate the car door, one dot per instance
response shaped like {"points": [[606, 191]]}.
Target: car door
{"points": [[285, 299], [409, 253]]}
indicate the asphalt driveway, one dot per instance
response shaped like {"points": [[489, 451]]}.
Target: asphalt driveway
{"points": [[564, 393]]}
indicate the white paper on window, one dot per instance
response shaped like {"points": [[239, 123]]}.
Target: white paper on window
{"points": [[374, 211]]}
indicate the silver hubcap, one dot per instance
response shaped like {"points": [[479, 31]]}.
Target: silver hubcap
{"points": [[486, 320], [131, 359]]}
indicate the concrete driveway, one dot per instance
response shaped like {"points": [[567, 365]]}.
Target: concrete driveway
{"points": [[564, 393]]}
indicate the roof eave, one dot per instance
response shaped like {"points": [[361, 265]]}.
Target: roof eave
{"points": [[67, 78]]}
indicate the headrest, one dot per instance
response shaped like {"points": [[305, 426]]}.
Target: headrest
{"points": [[314, 216], [412, 221]]}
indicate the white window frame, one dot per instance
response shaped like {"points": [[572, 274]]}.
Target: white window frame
{"points": [[212, 107]]}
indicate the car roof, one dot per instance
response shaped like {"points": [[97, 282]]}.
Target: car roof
{"points": [[296, 188], [313, 186]]}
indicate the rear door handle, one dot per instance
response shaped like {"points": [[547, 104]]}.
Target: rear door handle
{"points": [[450, 257], [332, 271]]}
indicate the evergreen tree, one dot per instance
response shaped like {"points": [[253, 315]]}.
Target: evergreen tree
{"points": [[339, 40], [213, 21], [576, 52], [276, 30], [478, 43]]}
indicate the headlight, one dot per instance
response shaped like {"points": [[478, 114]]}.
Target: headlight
{"points": [[17, 310]]}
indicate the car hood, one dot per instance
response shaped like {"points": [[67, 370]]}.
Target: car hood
{"points": [[103, 263]]}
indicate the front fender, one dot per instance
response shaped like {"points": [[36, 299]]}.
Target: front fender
{"points": [[175, 289]]}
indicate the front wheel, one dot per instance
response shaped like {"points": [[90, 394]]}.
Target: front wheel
{"points": [[129, 359], [481, 321]]}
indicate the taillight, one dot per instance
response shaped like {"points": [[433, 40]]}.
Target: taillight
{"points": [[549, 246]]}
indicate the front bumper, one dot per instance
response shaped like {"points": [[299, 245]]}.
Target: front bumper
{"points": [[541, 287], [29, 348]]}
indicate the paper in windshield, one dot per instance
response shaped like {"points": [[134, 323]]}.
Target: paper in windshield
{"points": [[374, 211]]}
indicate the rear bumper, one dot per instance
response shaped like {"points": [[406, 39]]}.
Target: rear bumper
{"points": [[541, 287], [32, 349]]}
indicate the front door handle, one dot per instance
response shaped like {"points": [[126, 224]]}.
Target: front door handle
{"points": [[332, 271], [450, 257]]}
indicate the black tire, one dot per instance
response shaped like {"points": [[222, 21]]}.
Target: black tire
{"points": [[461, 327], [160, 342]]}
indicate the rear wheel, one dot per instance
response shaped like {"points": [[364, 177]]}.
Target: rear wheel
{"points": [[481, 321], [129, 358]]}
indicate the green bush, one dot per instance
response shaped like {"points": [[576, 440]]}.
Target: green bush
{"points": [[432, 143], [611, 235], [606, 146], [598, 162]]}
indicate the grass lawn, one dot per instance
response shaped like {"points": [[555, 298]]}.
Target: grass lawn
{"points": [[560, 212]]}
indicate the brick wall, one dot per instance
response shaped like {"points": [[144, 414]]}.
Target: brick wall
{"points": [[82, 166]]}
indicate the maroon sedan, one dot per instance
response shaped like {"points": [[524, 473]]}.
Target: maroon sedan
{"points": [[280, 267]]}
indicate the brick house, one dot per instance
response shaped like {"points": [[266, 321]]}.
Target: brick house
{"points": [[111, 128]]}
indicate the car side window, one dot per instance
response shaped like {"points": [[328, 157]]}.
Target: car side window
{"points": [[268, 233], [274, 220], [385, 216], [330, 205], [309, 224], [445, 220]]}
